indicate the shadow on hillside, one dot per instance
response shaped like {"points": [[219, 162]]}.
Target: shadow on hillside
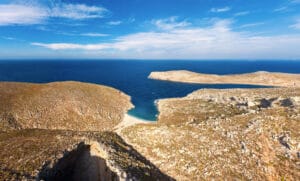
{"points": [[16, 174], [79, 164]]}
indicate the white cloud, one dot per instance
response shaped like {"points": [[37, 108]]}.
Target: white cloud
{"points": [[252, 25], [9, 38], [295, 1], [220, 10], [114, 23], [65, 46], [27, 14], [296, 25], [281, 9], [94, 34], [170, 23], [77, 11], [212, 42], [131, 20], [243, 13], [288, 6], [11, 14]]}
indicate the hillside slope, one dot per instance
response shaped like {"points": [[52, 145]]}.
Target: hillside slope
{"points": [[54, 155], [233, 134], [61, 105], [55, 132]]}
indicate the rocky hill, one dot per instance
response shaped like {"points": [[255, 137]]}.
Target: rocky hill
{"points": [[61, 105], [55, 132], [256, 78], [234, 134]]}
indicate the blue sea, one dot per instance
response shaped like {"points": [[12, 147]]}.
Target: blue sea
{"points": [[130, 76]]}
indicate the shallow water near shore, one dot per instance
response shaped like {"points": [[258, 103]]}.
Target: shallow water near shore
{"points": [[130, 76]]}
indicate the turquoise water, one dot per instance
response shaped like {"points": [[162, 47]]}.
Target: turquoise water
{"points": [[130, 76]]}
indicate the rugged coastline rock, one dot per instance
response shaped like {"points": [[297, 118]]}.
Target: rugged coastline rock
{"points": [[61, 105], [233, 134], [256, 78]]}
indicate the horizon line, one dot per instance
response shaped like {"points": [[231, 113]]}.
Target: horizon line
{"points": [[136, 59]]}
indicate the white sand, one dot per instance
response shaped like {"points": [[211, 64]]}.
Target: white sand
{"points": [[129, 120]]}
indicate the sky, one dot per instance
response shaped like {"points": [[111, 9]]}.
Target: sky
{"points": [[150, 29]]}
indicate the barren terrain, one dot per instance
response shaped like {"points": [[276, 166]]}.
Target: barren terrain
{"points": [[61, 105], [256, 78], [243, 134]]}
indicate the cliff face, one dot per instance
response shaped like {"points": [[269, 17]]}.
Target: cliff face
{"points": [[243, 134], [256, 78], [61, 105]]}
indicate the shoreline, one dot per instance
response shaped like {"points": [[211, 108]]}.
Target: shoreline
{"points": [[130, 120]]}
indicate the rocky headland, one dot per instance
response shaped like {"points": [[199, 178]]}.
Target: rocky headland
{"points": [[257, 78], [231, 134]]}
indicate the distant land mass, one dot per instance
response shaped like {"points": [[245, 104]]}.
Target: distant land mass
{"points": [[256, 78]]}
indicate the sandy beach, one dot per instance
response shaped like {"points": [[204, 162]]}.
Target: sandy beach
{"points": [[129, 120]]}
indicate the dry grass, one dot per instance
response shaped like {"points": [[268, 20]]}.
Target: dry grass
{"points": [[208, 135], [61, 105], [50, 129], [25, 153]]}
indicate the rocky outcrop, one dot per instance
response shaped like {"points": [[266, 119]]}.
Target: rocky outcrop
{"points": [[61, 105], [233, 134], [213, 103], [256, 78], [68, 155]]}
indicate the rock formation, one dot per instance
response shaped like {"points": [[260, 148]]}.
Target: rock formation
{"points": [[233, 134]]}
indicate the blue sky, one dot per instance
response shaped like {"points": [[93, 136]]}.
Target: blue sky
{"points": [[144, 29]]}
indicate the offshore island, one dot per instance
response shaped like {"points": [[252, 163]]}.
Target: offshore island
{"points": [[81, 131], [256, 78]]}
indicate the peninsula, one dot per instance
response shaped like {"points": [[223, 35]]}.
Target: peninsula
{"points": [[257, 78]]}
